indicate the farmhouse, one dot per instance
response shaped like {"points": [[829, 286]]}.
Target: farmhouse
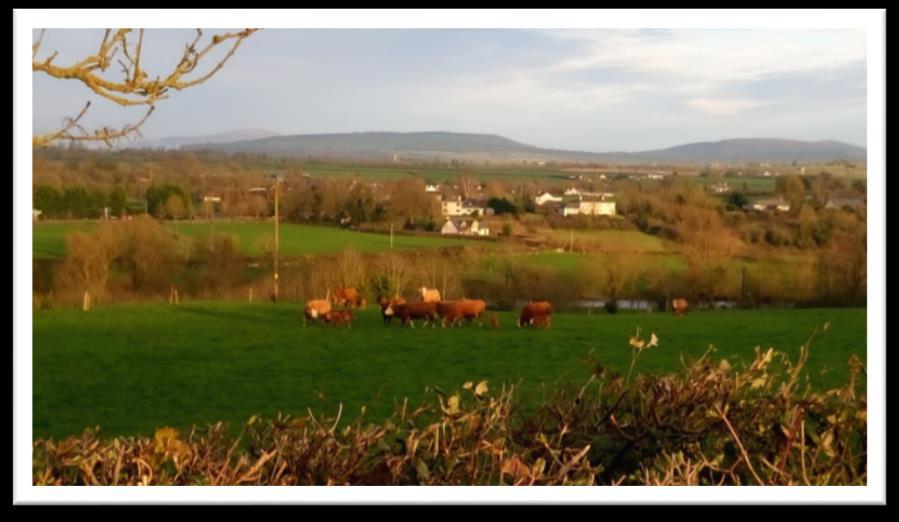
{"points": [[460, 207], [465, 227], [546, 197], [432, 188], [596, 207], [572, 192]]}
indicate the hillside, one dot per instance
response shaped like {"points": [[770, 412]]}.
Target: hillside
{"points": [[497, 149]]}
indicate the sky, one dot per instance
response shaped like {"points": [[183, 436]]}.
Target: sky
{"points": [[574, 89]]}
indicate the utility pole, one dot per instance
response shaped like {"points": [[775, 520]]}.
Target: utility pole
{"points": [[277, 236]]}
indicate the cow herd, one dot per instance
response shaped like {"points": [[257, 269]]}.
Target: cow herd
{"points": [[338, 306]]}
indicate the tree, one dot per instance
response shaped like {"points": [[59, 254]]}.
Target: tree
{"points": [[737, 199], [118, 201], [138, 87], [174, 207], [792, 189], [502, 206]]}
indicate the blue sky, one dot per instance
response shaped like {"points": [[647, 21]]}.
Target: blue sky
{"points": [[594, 90]]}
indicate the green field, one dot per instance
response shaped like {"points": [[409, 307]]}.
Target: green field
{"points": [[132, 368], [253, 238], [624, 241]]}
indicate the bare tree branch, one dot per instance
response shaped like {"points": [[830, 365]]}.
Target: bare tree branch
{"points": [[135, 88]]}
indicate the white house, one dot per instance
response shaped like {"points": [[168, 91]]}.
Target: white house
{"points": [[458, 207], [571, 209], [432, 188], [212, 199], [451, 207], [572, 192], [466, 227], [546, 197], [597, 207], [35, 214]]}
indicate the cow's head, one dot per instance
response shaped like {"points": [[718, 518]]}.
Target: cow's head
{"points": [[389, 309]]}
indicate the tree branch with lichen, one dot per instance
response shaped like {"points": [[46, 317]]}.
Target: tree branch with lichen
{"points": [[136, 87]]}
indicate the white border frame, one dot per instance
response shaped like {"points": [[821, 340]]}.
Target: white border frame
{"points": [[872, 21]]}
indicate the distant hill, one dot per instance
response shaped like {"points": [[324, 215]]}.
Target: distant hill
{"points": [[497, 149], [224, 137], [761, 149]]}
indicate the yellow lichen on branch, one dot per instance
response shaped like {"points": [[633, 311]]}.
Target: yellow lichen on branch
{"points": [[136, 87]]}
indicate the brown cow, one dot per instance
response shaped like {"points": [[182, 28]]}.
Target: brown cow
{"points": [[679, 307], [346, 297], [535, 313], [429, 295], [454, 311], [542, 321], [339, 317], [315, 310], [408, 312], [384, 302]]}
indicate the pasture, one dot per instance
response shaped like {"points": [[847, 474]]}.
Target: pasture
{"points": [[132, 368], [255, 238]]}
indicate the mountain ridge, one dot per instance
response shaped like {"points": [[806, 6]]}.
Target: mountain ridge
{"points": [[444, 145]]}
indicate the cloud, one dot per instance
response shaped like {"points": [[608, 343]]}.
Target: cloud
{"points": [[623, 89], [722, 107]]}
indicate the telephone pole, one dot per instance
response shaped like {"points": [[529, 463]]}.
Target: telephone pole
{"points": [[277, 236], [277, 177]]}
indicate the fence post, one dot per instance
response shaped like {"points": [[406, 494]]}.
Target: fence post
{"points": [[251, 294], [86, 302]]}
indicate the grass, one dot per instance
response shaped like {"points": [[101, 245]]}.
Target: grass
{"points": [[624, 241], [255, 237], [132, 368], [49, 239]]}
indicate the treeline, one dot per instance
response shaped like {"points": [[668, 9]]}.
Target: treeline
{"points": [[141, 259]]}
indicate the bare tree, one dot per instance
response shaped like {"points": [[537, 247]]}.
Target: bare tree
{"points": [[138, 87]]}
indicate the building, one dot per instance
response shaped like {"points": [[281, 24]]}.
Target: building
{"points": [[465, 227], [777, 204], [460, 207], [432, 188], [212, 199], [35, 214], [571, 209], [572, 192], [596, 207], [258, 190], [546, 197]]}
